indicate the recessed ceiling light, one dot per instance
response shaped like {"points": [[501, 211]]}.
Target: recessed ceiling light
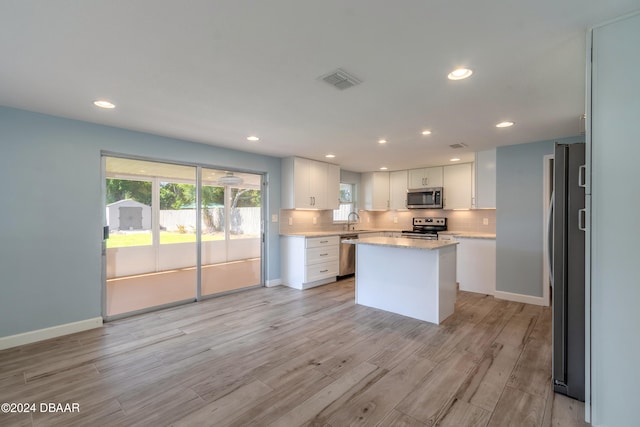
{"points": [[384, 168], [253, 138], [455, 159], [330, 156], [382, 141], [426, 132], [103, 104], [459, 74], [505, 124]]}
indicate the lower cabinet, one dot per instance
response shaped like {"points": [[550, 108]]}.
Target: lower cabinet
{"points": [[309, 261], [476, 265]]}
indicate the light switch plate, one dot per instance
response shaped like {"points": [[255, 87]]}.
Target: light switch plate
{"points": [[485, 221], [395, 219], [274, 218], [315, 220], [290, 221]]}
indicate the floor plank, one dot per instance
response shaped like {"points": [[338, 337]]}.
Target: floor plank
{"points": [[284, 357]]}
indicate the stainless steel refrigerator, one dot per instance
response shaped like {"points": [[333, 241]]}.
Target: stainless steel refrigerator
{"points": [[568, 270]]}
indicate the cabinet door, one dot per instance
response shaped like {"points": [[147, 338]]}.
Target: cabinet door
{"points": [[417, 178], [476, 265], [485, 171], [318, 184], [375, 189], [433, 176], [398, 190], [425, 177], [333, 187], [301, 182], [457, 186]]}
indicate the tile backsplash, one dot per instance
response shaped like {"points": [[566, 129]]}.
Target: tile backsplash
{"points": [[470, 221]]}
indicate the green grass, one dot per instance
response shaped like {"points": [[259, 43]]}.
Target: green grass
{"points": [[166, 237]]}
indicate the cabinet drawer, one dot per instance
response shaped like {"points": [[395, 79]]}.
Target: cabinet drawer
{"points": [[322, 254], [317, 242], [321, 271]]}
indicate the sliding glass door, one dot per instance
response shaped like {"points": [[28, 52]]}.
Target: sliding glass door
{"points": [[161, 222], [231, 232]]}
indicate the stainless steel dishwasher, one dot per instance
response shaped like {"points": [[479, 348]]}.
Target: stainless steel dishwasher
{"points": [[347, 255]]}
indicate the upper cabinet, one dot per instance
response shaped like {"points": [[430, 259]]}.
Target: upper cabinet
{"points": [[485, 180], [398, 190], [375, 191], [457, 186], [425, 177], [308, 184]]}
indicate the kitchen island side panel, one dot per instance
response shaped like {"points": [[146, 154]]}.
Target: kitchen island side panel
{"points": [[412, 282]]}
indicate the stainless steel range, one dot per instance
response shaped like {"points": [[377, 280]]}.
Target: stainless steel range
{"points": [[426, 228]]}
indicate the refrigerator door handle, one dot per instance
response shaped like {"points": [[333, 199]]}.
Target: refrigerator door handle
{"points": [[582, 176], [550, 236], [582, 213]]}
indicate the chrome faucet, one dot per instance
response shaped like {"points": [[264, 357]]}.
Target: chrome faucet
{"points": [[349, 220]]}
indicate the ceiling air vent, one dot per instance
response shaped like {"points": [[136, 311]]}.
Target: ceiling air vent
{"points": [[341, 79], [460, 145]]}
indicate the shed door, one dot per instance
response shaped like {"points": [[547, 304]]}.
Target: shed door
{"points": [[130, 218]]}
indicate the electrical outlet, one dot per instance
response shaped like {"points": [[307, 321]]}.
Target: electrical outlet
{"points": [[395, 219], [274, 218], [315, 220], [290, 221], [485, 221]]}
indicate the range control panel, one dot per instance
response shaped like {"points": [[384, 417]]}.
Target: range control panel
{"points": [[430, 221]]}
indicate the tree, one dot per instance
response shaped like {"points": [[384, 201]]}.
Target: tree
{"points": [[121, 189], [176, 196]]}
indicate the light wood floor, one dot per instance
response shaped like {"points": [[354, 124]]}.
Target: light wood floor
{"points": [[283, 357]]}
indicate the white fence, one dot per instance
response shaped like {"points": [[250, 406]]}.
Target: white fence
{"points": [[243, 220]]}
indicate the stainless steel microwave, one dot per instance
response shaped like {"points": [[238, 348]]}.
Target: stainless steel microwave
{"points": [[424, 198]]}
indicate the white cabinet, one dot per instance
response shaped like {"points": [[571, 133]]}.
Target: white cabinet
{"points": [[309, 261], [485, 180], [476, 265], [457, 186], [307, 184], [398, 190], [425, 177], [375, 191], [384, 190]]}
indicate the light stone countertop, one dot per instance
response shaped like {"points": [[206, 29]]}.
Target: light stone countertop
{"points": [[469, 234], [402, 242], [461, 234], [334, 233]]}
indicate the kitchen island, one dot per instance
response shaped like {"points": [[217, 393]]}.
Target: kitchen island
{"points": [[415, 278]]}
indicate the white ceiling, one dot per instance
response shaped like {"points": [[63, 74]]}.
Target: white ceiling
{"points": [[216, 71]]}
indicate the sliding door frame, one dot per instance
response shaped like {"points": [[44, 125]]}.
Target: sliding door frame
{"points": [[198, 182]]}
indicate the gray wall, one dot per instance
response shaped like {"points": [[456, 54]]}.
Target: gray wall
{"points": [[615, 233], [50, 268], [519, 220]]}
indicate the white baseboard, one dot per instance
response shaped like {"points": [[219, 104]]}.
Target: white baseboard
{"points": [[527, 299], [273, 282], [47, 333]]}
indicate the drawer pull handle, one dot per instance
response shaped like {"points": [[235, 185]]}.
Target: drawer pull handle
{"points": [[324, 241], [324, 254], [323, 271]]}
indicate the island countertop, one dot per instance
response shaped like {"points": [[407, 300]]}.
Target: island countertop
{"points": [[402, 242]]}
